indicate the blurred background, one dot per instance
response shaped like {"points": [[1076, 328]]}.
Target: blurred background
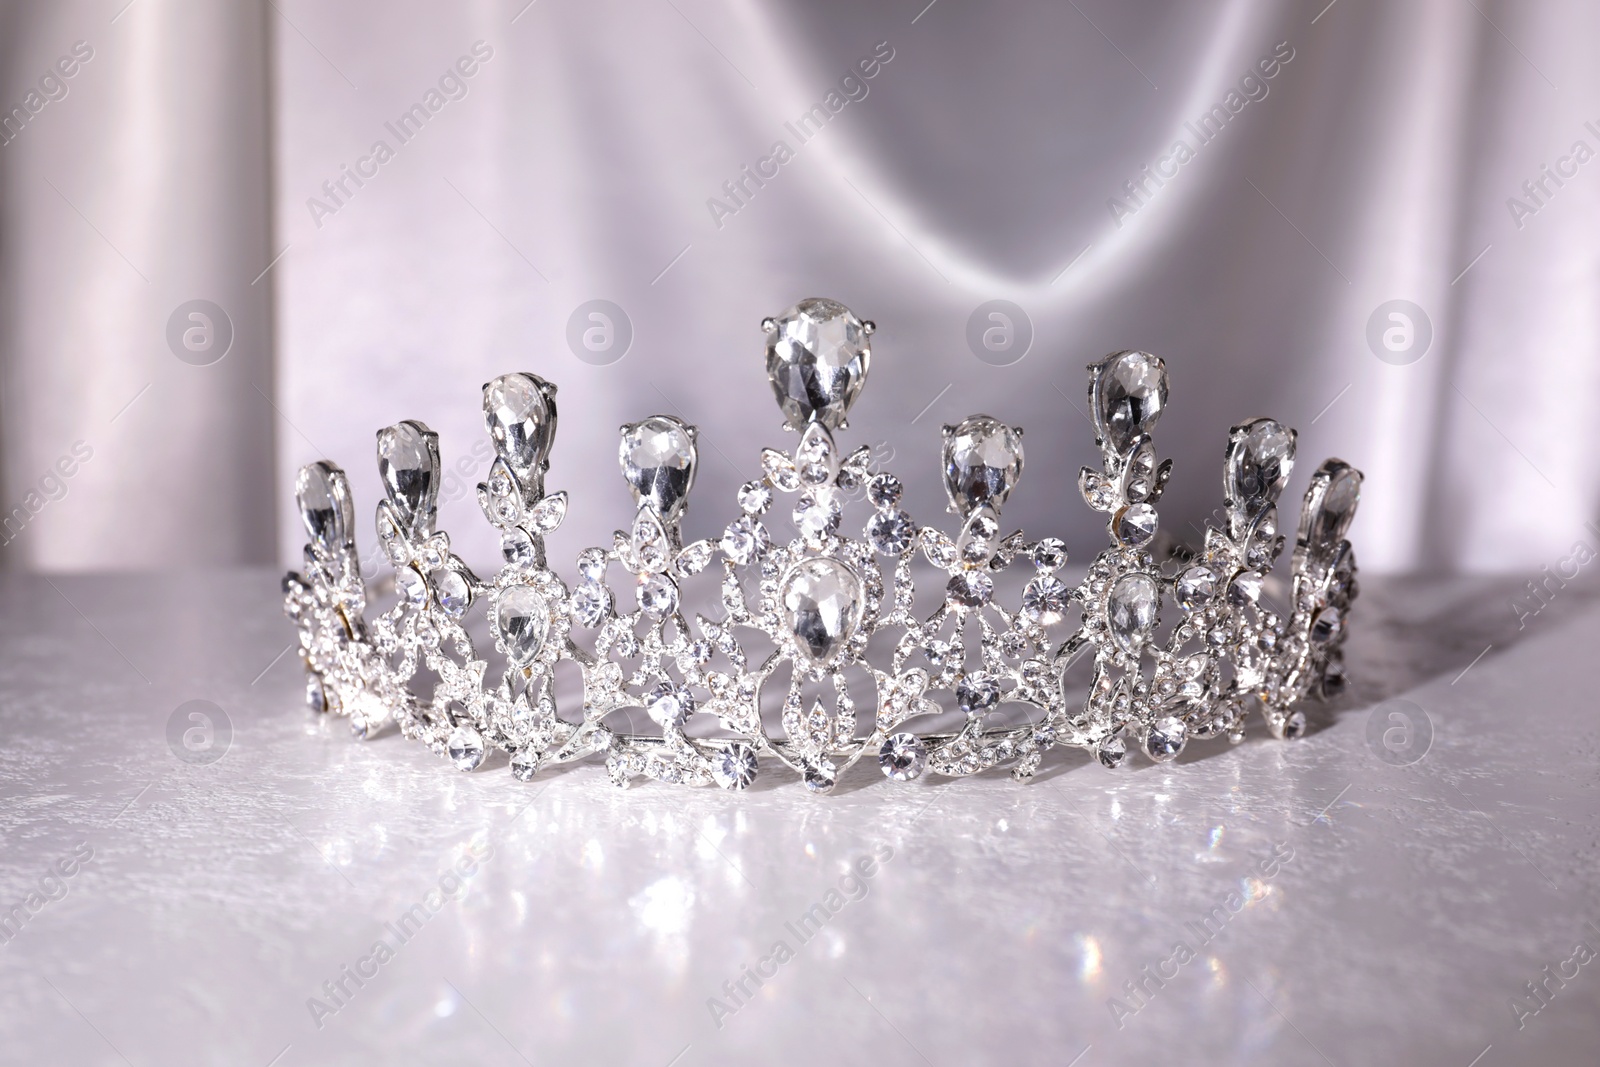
{"points": [[236, 236]]}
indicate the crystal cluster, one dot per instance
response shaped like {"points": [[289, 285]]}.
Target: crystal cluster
{"points": [[1176, 649]]}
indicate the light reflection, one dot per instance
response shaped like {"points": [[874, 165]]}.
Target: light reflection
{"points": [[1219, 973], [664, 907], [593, 857], [1216, 836], [1089, 967]]}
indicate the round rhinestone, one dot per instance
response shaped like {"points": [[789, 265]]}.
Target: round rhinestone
{"points": [[516, 547], [658, 596], [970, 589], [903, 757], [736, 766], [1045, 599], [590, 604], [1112, 752], [977, 693], [891, 532], [1136, 525], [524, 764], [466, 748], [1195, 587], [410, 584], [670, 704], [755, 497], [1166, 738], [820, 775], [592, 563], [1050, 554], [744, 540], [884, 491]]}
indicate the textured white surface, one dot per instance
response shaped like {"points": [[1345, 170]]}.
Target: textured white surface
{"points": [[1417, 903]]}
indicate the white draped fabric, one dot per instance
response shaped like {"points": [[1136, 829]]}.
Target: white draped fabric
{"points": [[1243, 188]]}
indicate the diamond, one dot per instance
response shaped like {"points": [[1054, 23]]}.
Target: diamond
{"points": [[1327, 625], [1050, 554], [520, 418], [516, 547], [1132, 610], [818, 353], [1136, 525], [1127, 394], [982, 463], [1195, 587], [977, 693], [969, 589], [745, 539], [891, 532], [408, 464], [736, 766], [884, 491], [1294, 726], [755, 497], [903, 757], [1166, 739], [1334, 507], [658, 461], [452, 592], [822, 608], [820, 775], [669, 705], [1260, 457], [324, 501], [592, 563], [1045, 599], [1245, 589], [817, 514], [466, 748], [657, 595], [316, 695], [590, 604], [1112, 752], [410, 584], [525, 763], [522, 618]]}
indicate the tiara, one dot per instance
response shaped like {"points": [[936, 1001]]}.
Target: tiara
{"points": [[1087, 665]]}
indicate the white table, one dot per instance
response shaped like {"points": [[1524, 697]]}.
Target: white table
{"points": [[220, 897]]}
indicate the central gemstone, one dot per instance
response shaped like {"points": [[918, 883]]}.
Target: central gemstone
{"points": [[982, 462], [1127, 394], [821, 600], [817, 358], [521, 420], [522, 615], [324, 505], [1132, 609], [658, 458]]}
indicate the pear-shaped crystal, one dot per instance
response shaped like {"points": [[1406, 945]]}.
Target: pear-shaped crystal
{"points": [[658, 460], [1132, 609], [408, 463], [817, 357], [821, 599], [1330, 511], [1127, 392], [982, 463], [520, 414], [1260, 457], [522, 617], [324, 498]]}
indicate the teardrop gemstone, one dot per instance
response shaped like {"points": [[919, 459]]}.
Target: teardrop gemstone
{"points": [[982, 463], [1132, 610], [818, 353], [1127, 394], [658, 461], [323, 494], [408, 463], [520, 414], [821, 601], [522, 617], [1330, 512], [1260, 458]]}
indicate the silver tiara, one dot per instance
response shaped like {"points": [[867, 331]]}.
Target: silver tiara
{"points": [[1050, 663]]}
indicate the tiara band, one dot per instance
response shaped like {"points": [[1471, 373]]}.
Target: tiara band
{"points": [[800, 613]]}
